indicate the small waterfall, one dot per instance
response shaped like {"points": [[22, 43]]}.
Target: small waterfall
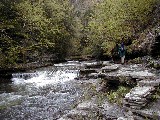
{"points": [[59, 74]]}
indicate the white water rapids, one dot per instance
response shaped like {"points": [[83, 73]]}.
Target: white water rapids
{"points": [[45, 93]]}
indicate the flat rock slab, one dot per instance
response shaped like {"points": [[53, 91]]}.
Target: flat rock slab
{"points": [[125, 73], [154, 83], [93, 75], [110, 68], [149, 114], [93, 64], [136, 74], [87, 105], [139, 92], [111, 111]]}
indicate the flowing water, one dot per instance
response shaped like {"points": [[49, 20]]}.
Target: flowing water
{"points": [[46, 93]]}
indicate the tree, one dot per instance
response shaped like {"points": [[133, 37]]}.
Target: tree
{"points": [[119, 20]]}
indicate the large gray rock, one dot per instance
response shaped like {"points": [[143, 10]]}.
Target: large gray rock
{"points": [[111, 67], [87, 110], [111, 112], [138, 97], [148, 114], [139, 92], [136, 74], [127, 74], [154, 83], [96, 64]]}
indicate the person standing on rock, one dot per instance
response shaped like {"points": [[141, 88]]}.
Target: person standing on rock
{"points": [[122, 52]]}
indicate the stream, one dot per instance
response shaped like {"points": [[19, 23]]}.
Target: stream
{"points": [[53, 92], [45, 93]]}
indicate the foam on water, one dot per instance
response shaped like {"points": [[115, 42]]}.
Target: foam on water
{"points": [[42, 78]]}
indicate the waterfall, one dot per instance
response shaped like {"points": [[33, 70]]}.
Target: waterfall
{"points": [[59, 74]]}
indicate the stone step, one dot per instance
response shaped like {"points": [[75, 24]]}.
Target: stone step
{"points": [[148, 114], [153, 83], [138, 97], [96, 64], [110, 68], [139, 92]]}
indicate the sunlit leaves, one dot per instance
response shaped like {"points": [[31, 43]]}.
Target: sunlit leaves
{"points": [[40, 27], [118, 20]]}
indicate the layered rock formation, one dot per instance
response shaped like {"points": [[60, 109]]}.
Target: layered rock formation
{"points": [[145, 82]]}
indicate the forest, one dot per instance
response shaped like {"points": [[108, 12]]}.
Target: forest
{"points": [[53, 30]]}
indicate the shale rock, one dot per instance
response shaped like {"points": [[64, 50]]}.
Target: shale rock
{"points": [[87, 110], [109, 68], [96, 64], [154, 83], [112, 112], [148, 114], [138, 97]]}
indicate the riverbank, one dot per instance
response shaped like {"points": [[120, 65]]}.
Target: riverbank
{"points": [[83, 90], [112, 100]]}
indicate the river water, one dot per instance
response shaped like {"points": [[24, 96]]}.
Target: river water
{"points": [[46, 93]]}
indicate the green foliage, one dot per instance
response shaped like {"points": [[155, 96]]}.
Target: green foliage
{"points": [[30, 30], [118, 95], [41, 27], [118, 20]]}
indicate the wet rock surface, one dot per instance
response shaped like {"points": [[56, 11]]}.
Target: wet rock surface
{"points": [[154, 83], [87, 110], [112, 111], [82, 98], [135, 102], [137, 97], [110, 68]]}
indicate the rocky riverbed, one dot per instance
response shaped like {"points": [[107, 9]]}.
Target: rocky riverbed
{"points": [[79, 91], [137, 104]]}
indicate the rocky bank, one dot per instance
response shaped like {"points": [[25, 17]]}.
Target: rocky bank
{"points": [[138, 104]]}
